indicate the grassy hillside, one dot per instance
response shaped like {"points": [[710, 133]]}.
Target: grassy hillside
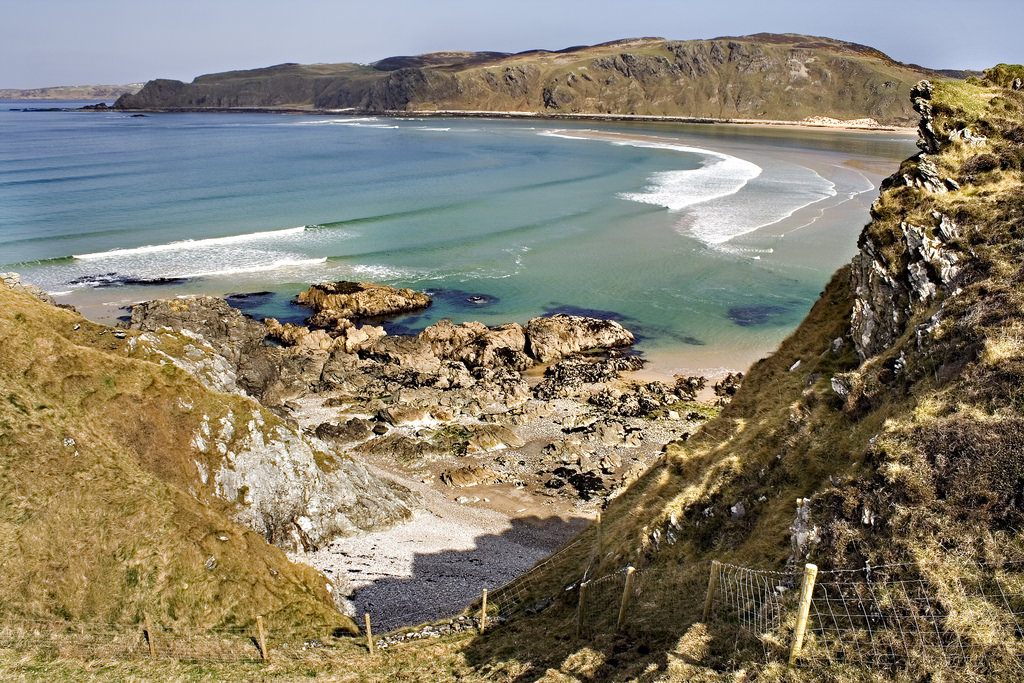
{"points": [[98, 521], [765, 76], [894, 411]]}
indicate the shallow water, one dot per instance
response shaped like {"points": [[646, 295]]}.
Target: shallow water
{"points": [[711, 242]]}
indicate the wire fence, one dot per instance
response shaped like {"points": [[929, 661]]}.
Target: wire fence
{"points": [[112, 641], [753, 598], [530, 592], [896, 617], [972, 618], [964, 617]]}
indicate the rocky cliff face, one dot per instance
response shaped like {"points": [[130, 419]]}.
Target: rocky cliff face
{"points": [[786, 77], [906, 262], [292, 489]]}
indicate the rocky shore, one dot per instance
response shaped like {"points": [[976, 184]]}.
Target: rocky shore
{"points": [[487, 424]]}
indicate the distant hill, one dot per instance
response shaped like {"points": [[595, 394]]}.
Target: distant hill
{"points": [[763, 76], [72, 92]]}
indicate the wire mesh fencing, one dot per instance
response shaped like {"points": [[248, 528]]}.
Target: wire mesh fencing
{"points": [[898, 617], [753, 599], [965, 617], [535, 590], [113, 641], [599, 603]]}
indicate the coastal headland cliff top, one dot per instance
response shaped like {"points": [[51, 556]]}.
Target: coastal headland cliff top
{"points": [[764, 76]]}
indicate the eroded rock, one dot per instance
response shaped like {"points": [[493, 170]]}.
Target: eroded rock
{"points": [[334, 301], [562, 335]]}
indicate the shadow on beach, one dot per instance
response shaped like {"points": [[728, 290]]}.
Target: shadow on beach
{"points": [[442, 584]]}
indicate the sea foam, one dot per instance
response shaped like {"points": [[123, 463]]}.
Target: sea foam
{"points": [[279, 264], [721, 175], [725, 197], [193, 244]]}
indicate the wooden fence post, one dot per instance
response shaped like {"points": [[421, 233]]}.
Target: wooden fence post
{"points": [[626, 591], [369, 633], [580, 608], [483, 612], [806, 591], [149, 636], [262, 638], [709, 599]]}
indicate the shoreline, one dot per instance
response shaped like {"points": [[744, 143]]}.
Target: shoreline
{"points": [[661, 362], [837, 125]]}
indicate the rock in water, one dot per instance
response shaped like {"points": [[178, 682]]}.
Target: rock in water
{"points": [[477, 345], [549, 339], [333, 301]]}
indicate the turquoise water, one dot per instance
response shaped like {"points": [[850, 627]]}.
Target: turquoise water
{"points": [[710, 241]]}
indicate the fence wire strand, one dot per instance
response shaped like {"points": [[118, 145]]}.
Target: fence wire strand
{"points": [[873, 617], [969, 616]]}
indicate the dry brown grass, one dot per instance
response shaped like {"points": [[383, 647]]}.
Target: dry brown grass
{"points": [[102, 520]]}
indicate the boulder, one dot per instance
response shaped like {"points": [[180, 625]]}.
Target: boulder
{"points": [[404, 415], [729, 385], [412, 453], [355, 430], [637, 400], [405, 352], [348, 300], [566, 452], [470, 475], [568, 377], [476, 345], [610, 432], [487, 438], [561, 335]]}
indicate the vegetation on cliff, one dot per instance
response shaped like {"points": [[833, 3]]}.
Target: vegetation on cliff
{"points": [[764, 76], [893, 413], [114, 482]]}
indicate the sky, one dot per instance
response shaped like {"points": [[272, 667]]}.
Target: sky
{"points": [[90, 42]]}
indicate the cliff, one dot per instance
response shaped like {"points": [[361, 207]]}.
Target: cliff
{"points": [[129, 486], [764, 76]]}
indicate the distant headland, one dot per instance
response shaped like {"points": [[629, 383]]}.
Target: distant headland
{"points": [[779, 77], [72, 92]]}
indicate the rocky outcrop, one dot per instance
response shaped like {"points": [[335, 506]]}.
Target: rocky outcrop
{"points": [[13, 281], [900, 270], [562, 335], [335, 301], [237, 338], [412, 402], [570, 376], [294, 490], [889, 289], [476, 345]]}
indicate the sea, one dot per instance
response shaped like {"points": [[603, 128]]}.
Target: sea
{"points": [[710, 242]]}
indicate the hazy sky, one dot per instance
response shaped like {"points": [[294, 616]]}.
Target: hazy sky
{"points": [[78, 42]]}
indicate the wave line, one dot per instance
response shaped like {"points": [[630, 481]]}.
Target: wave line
{"points": [[183, 245]]}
